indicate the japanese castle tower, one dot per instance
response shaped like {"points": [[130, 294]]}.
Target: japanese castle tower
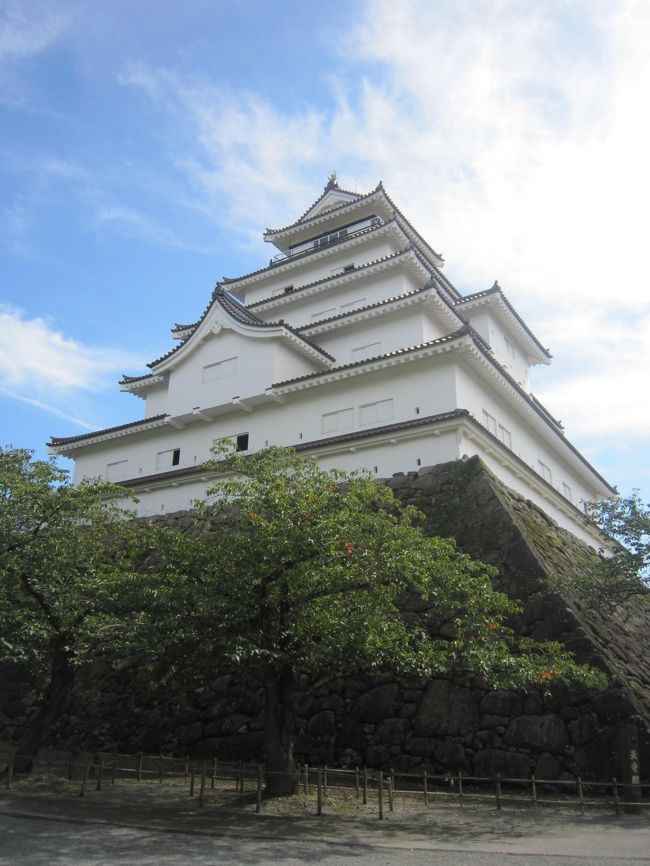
{"points": [[353, 347]]}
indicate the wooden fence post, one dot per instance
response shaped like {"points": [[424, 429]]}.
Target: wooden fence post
{"points": [[82, 790], [617, 805], [460, 789], [100, 773], [425, 788], [380, 794], [534, 791], [202, 788], [140, 757], [258, 800], [498, 790], [356, 781], [365, 786], [306, 780], [10, 769], [391, 791], [214, 773], [319, 792], [581, 797], [192, 780]]}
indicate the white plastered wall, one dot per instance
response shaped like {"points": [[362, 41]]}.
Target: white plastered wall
{"points": [[508, 351], [527, 440], [260, 362]]}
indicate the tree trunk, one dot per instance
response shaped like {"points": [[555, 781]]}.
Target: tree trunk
{"points": [[279, 727], [55, 701]]}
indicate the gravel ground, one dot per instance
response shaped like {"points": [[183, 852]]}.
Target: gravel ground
{"points": [[44, 821]]}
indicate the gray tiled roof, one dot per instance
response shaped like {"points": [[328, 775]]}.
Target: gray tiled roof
{"points": [[68, 440]]}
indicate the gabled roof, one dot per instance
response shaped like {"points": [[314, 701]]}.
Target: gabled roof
{"points": [[495, 296], [235, 311], [313, 209]]}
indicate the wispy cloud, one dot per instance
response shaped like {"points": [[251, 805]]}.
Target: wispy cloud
{"points": [[132, 223], [40, 366], [28, 27], [46, 407]]}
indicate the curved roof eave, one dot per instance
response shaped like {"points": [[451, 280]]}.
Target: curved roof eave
{"points": [[495, 295]]}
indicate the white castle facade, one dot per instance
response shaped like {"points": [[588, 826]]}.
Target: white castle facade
{"points": [[353, 347]]}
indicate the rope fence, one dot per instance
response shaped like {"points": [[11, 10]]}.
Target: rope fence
{"points": [[246, 781]]}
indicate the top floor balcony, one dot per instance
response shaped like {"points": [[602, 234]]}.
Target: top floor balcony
{"points": [[332, 238]]}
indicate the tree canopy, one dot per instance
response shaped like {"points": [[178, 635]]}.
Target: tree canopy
{"points": [[65, 553]]}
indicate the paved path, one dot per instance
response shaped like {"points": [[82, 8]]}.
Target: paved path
{"points": [[128, 826], [42, 842]]}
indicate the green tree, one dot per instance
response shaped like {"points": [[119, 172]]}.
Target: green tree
{"points": [[623, 571], [307, 575], [65, 552]]}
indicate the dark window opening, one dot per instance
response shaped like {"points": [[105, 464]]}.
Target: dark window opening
{"points": [[176, 456], [288, 289], [348, 268], [242, 442]]}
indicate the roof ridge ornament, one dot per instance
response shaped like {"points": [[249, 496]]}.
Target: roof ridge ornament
{"points": [[332, 182]]}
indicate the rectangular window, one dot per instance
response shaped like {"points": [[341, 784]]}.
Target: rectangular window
{"points": [[351, 305], [504, 436], [167, 459], [566, 491], [333, 422], [221, 370], [323, 314], [490, 422], [116, 471], [376, 413], [363, 352], [545, 472], [241, 442]]}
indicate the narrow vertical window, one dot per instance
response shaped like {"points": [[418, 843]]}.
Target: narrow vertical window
{"points": [[490, 422], [504, 436]]}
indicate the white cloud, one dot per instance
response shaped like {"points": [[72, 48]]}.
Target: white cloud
{"points": [[41, 366]]}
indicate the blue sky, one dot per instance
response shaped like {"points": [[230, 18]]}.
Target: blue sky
{"points": [[145, 146]]}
